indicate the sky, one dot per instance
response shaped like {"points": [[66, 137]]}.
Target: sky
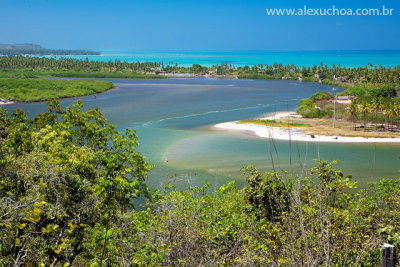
{"points": [[128, 25]]}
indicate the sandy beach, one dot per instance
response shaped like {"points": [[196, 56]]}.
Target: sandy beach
{"points": [[280, 133], [5, 103]]}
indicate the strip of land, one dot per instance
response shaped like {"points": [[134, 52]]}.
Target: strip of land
{"points": [[291, 126], [34, 49], [42, 89]]}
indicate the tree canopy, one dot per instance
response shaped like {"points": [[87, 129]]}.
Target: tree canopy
{"points": [[64, 177]]}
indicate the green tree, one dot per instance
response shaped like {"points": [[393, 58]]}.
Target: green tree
{"points": [[65, 176], [377, 104], [364, 108], [352, 110], [391, 111]]}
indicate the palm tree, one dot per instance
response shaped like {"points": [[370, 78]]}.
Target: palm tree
{"points": [[396, 103], [364, 108], [352, 110], [391, 111], [377, 105]]}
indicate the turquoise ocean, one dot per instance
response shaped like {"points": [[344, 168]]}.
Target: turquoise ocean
{"points": [[242, 58]]}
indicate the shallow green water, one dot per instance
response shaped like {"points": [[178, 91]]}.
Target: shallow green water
{"points": [[173, 120]]}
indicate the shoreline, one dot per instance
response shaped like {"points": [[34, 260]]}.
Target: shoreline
{"points": [[193, 75], [288, 134], [38, 55], [6, 103]]}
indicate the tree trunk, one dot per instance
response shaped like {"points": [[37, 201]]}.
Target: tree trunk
{"points": [[386, 122], [104, 246], [21, 250], [365, 123], [389, 257]]}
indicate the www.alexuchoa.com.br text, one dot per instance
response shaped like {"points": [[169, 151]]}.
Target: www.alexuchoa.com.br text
{"points": [[331, 11]]}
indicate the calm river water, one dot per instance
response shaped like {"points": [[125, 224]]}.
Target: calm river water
{"points": [[173, 119]]}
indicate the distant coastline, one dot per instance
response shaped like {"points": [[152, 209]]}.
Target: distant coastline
{"points": [[37, 50]]}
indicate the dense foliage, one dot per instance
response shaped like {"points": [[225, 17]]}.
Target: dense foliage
{"points": [[308, 109], [334, 75], [41, 89], [34, 49], [29, 73], [109, 75], [379, 91], [39, 64], [276, 220], [321, 96], [67, 180]]}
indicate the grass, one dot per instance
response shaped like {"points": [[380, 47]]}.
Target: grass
{"points": [[42, 89], [275, 123]]}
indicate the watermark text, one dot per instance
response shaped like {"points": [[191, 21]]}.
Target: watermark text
{"points": [[331, 11]]}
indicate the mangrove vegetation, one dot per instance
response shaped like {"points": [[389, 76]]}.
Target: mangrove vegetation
{"points": [[42, 89]]}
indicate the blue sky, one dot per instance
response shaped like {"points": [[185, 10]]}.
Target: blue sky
{"points": [[195, 25]]}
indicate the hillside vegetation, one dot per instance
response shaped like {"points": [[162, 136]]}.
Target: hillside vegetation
{"points": [[34, 49]]}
